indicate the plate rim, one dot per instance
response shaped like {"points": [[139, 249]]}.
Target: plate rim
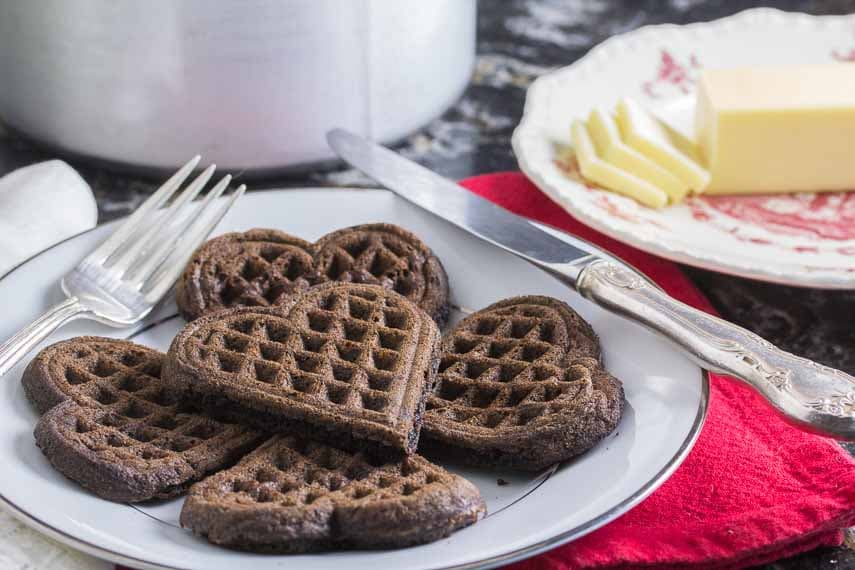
{"points": [[518, 554], [823, 279]]}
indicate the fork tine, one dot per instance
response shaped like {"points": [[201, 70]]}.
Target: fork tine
{"points": [[158, 254], [136, 252], [117, 238], [157, 286]]}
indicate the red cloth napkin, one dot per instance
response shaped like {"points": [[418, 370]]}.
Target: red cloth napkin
{"points": [[752, 490]]}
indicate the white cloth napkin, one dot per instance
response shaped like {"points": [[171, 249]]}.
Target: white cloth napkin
{"points": [[41, 205]]}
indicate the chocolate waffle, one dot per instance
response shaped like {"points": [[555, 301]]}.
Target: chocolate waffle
{"points": [[520, 385], [264, 268], [111, 425], [344, 363], [294, 495]]}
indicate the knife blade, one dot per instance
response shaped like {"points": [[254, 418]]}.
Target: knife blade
{"points": [[808, 395], [453, 203]]}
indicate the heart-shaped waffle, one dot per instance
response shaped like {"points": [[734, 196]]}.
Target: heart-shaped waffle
{"points": [[264, 268], [294, 495], [346, 363], [520, 385], [110, 424]]}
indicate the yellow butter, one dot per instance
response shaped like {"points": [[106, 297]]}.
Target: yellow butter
{"points": [[647, 135], [610, 177], [605, 135], [778, 129]]}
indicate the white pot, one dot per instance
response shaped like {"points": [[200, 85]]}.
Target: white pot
{"points": [[247, 83]]}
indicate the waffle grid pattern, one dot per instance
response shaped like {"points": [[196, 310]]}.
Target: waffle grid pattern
{"points": [[293, 472], [505, 368], [372, 257], [345, 348], [134, 416], [266, 272]]}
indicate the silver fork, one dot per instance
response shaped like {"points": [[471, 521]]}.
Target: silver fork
{"points": [[120, 282]]}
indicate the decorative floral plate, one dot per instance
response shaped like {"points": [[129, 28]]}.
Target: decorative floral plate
{"points": [[801, 239]]}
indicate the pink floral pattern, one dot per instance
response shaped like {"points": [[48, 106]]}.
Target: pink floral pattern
{"points": [[823, 216], [845, 54], [808, 223], [672, 77]]}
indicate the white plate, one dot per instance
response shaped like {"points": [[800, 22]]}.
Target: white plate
{"points": [[802, 239], [667, 398]]}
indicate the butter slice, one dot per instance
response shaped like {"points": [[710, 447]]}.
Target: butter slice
{"points": [[606, 137], [778, 129], [647, 135], [611, 177]]}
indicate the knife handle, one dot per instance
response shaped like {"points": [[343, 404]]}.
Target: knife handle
{"points": [[812, 396]]}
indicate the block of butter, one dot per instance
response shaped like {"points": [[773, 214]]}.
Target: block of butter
{"points": [[778, 129]]}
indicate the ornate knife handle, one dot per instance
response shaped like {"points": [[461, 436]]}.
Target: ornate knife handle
{"points": [[815, 397]]}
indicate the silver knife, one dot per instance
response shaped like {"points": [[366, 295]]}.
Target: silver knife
{"points": [[809, 395]]}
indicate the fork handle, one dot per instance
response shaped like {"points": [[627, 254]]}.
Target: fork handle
{"points": [[16, 347], [809, 395]]}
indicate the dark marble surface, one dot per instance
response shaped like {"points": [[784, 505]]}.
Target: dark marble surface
{"points": [[519, 40]]}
